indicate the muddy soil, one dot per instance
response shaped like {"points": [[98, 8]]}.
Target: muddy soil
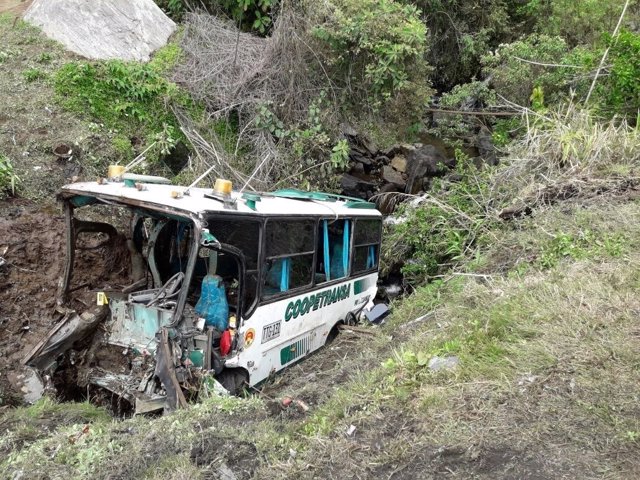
{"points": [[31, 244]]}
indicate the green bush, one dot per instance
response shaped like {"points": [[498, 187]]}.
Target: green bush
{"points": [[33, 74], [440, 230], [620, 89], [581, 22], [124, 96], [514, 76], [377, 47]]}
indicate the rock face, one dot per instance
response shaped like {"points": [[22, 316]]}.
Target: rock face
{"points": [[103, 29], [403, 168]]}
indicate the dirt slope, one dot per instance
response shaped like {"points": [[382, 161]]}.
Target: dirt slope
{"points": [[31, 239]]}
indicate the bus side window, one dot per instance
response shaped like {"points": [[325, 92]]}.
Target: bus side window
{"points": [[333, 250], [289, 255], [366, 245]]}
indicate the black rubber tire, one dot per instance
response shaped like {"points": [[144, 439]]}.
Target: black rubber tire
{"points": [[234, 380]]}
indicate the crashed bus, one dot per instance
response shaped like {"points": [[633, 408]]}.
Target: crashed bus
{"points": [[190, 284]]}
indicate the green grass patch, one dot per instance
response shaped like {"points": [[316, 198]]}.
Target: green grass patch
{"points": [[127, 97], [33, 74]]}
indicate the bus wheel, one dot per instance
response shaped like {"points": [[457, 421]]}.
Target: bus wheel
{"points": [[234, 380], [333, 333]]}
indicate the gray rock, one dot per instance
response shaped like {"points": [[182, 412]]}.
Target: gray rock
{"points": [[486, 149], [356, 156], [443, 363], [357, 168], [103, 29], [356, 187], [401, 149], [389, 175], [426, 161]]}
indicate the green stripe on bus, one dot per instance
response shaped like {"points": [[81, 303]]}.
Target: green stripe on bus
{"points": [[360, 286], [293, 351]]}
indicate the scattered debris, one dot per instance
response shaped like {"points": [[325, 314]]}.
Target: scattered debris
{"points": [[225, 473], [377, 314], [63, 151], [351, 430], [303, 407], [74, 438], [354, 329], [420, 319], [30, 385]]}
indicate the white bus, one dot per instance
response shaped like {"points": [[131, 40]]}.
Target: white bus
{"points": [[198, 282]]}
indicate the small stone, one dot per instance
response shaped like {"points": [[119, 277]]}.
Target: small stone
{"points": [[443, 363]]}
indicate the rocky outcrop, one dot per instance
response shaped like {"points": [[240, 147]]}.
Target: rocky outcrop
{"points": [[103, 29], [406, 168]]}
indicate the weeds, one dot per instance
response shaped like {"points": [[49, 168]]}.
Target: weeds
{"points": [[8, 179], [566, 154], [440, 229], [126, 96], [33, 74]]}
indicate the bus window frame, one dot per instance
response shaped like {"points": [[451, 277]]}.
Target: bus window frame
{"points": [[209, 217], [262, 267], [313, 286], [354, 246]]}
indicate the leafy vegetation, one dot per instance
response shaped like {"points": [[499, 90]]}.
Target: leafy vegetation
{"points": [[8, 179], [381, 60], [126, 97]]}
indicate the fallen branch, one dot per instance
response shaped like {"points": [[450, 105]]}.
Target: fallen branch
{"points": [[351, 328]]}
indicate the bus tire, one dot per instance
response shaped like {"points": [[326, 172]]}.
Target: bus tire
{"points": [[234, 380], [333, 333]]}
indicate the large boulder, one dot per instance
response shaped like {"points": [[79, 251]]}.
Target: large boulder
{"points": [[103, 29], [355, 186], [424, 161]]}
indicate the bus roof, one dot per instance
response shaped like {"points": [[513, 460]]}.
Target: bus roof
{"points": [[197, 203]]}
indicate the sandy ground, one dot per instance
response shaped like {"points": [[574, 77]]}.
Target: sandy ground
{"points": [[16, 7]]}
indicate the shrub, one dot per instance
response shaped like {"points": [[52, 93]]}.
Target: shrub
{"points": [[620, 90], [124, 96], [377, 47], [580, 22], [514, 76], [440, 229]]}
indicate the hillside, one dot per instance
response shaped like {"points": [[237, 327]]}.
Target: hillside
{"points": [[512, 350]]}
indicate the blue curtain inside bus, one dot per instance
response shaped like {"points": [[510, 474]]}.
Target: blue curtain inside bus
{"points": [[345, 249], [325, 231], [371, 257], [284, 274]]}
